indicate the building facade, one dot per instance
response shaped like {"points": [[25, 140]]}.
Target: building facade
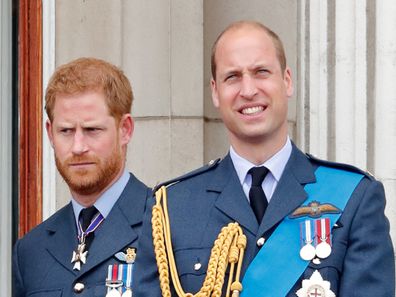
{"points": [[342, 55]]}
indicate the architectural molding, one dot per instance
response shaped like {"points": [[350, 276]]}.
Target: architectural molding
{"points": [[6, 146], [30, 114], [49, 168]]}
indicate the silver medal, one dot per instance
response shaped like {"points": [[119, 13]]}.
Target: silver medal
{"points": [[127, 293], [307, 252], [113, 293], [323, 250]]}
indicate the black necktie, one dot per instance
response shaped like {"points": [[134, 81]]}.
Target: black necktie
{"points": [[86, 216], [258, 201]]}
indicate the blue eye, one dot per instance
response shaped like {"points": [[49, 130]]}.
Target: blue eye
{"points": [[263, 71]]}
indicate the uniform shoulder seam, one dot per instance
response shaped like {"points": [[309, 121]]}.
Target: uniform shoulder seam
{"points": [[207, 167]]}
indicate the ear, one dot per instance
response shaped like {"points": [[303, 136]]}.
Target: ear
{"points": [[126, 127], [48, 127], [287, 78], [215, 94]]}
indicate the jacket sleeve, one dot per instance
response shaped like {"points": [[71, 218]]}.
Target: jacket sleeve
{"points": [[369, 264], [18, 289], [146, 278]]}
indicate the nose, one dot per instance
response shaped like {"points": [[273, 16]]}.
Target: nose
{"points": [[79, 145], [248, 87]]}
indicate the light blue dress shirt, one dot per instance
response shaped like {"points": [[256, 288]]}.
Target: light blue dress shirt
{"points": [[276, 164], [107, 200]]}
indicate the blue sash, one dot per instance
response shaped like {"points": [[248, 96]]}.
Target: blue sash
{"points": [[278, 266]]}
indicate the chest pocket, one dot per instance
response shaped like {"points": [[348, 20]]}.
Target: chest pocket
{"points": [[192, 265]]}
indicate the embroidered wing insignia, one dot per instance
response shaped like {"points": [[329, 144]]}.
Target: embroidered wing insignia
{"points": [[314, 209]]}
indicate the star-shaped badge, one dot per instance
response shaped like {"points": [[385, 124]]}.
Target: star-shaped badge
{"points": [[315, 286]]}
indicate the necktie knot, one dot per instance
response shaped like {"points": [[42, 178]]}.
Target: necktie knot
{"points": [[258, 174], [86, 216]]}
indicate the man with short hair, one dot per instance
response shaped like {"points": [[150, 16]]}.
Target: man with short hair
{"points": [[89, 246], [310, 227]]}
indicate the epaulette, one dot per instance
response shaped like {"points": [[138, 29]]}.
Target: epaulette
{"points": [[342, 166], [211, 164]]}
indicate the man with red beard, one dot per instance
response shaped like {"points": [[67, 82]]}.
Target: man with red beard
{"points": [[89, 246]]}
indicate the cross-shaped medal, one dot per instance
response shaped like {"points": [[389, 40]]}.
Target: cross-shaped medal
{"points": [[79, 256]]}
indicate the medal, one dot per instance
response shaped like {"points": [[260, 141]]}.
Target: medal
{"points": [[79, 256], [307, 251], [113, 293], [127, 293], [127, 278], [119, 280], [315, 286], [113, 281], [323, 247]]}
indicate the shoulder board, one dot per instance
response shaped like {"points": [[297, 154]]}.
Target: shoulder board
{"points": [[212, 164], [342, 166]]}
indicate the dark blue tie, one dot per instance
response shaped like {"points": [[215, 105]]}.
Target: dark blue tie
{"points": [[86, 216], [258, 201]]}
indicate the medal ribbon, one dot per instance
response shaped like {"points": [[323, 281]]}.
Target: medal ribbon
{"points": [[277, 266], [121, 274], [98, 219], [306, 232], [323, 230]]}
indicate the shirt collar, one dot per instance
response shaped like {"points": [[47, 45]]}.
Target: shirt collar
{"points": [[276, 164], [107, 200]]}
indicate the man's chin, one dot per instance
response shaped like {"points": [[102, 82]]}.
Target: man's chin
{"points": [[85, 188]]}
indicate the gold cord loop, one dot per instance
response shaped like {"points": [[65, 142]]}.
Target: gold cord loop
{"points": [[228, 249]]}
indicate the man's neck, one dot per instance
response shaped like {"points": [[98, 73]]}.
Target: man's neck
{"points": [[90, 199], [259, 152]]}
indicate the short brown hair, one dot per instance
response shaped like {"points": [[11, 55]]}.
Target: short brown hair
{"points": [[91, 74], [280, 52]]}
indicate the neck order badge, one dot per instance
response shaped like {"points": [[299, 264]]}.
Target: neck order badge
{"points": [[80, 254]]}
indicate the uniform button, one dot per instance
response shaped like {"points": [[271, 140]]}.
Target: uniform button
{"points": [[78, 287], [197, 266], [211, 162], [260, 241]]}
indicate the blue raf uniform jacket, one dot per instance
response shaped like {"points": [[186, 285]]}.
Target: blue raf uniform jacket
{"points": [[42, 258], [202, 202]]}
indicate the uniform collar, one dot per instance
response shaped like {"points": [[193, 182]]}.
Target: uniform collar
{"points": [[276, 164], [107, 200]]}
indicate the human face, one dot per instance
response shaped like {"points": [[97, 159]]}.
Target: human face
{"points": [[251, 91], [89, 144]]}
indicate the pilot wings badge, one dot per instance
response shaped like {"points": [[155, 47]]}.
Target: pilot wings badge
{"points": [[314, 209]]}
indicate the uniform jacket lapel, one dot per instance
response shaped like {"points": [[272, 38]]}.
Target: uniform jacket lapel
{"points": [[117, 230], [62, 235], [289, 193], [231, 200]]}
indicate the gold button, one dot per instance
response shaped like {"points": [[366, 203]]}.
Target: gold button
{"points": [[78, 287], [260, 241]]}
